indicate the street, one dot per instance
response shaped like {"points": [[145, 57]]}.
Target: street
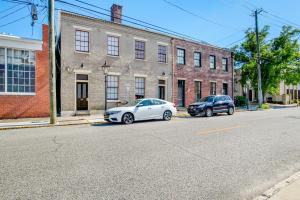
{"points": [[222, 157]]}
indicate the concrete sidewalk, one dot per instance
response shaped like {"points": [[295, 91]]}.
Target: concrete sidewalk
{"points": [[44, 122], [288, 189], [291, 192]]}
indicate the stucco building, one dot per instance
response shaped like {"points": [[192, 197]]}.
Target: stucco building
{"points": [[24, 76], [140, 63]]}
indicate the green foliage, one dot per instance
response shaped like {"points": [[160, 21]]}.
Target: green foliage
{"points": [[240, 101], [265, 106], [280, 58]]}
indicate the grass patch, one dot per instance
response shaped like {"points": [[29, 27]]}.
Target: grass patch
{"points": [[265, 106]]}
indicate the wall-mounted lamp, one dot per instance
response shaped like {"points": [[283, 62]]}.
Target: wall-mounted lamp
{"points": [[81, 65]]}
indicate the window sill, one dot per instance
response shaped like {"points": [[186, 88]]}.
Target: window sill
{"points": [[83, 52], [112, 56], [144, 60], [113, 101], [162, 62], [17, 94]]}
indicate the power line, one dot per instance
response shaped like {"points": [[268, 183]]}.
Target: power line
{"points": [[19, 19], [5, 10], [235, 42], [12, 12], [198, 16]]}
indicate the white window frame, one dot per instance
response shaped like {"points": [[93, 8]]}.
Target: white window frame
{"points": [[6, 93], [89, 41], [107, 52]]}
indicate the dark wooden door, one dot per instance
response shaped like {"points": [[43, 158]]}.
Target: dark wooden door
{"points": [[82, 96], [181, 93]]}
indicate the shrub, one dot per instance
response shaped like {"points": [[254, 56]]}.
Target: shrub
{"points": [[265, 106], [240, 101]]}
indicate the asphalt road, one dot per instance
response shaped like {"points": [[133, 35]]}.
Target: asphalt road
{"points": [[223, 157]]}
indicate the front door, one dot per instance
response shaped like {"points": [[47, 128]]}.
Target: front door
{"points": [[181, 93], [82, 96]]}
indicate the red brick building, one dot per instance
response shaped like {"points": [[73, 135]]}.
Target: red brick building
{"points": [[24, 77], [200, 70]]}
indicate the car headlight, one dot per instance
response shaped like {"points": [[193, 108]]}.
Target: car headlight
{"points": [[113, 112]]}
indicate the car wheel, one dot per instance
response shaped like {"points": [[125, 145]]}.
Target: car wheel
{"points": [[208, 112], [192, 115], [127, 118], [167, 115], [230, 111]]}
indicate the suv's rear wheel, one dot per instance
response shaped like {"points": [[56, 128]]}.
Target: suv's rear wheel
{"points": [[167, 115], [230, 111], [208, 112], [127, 118]]}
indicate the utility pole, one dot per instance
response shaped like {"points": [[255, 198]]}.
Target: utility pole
{"points": [[52, 69], [260, 96]]}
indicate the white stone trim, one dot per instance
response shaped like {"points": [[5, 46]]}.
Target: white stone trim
{"points": [[183, 79], [114, 73], [163, 43], [162, 77], [82, 28], [17, 93], [113, 34], [140, 75], [82, 71], [140, 39], [198, 80]]}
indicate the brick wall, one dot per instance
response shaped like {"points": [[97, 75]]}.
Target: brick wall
{"points": [[189, 73], [17, 106]]}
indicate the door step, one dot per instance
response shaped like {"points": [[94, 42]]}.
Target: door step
{"points": [[82, 112]]}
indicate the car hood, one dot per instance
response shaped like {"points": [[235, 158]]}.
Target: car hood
{"points": [[198, 104], [128, 108]]}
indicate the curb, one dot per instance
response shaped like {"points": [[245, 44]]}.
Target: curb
{"points": [[275, 189], [47, 125]]}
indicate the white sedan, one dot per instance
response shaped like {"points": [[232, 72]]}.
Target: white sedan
{"points": [[145, 109]]}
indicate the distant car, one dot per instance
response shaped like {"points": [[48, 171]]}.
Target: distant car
{"points": [[208, 106], [145, 109]]}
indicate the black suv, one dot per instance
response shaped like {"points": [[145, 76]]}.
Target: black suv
{"points": [[211, 105]]}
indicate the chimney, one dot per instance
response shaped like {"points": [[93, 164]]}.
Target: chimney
{"points": [[116, 13]]}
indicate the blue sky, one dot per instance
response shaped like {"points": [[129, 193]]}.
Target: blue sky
{"points": [[226, 18]]}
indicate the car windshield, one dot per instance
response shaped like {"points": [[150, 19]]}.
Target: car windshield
{"points": [[207, 99]]}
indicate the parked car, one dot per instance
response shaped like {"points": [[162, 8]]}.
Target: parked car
{"points": [[145, 109], [211, 105]]}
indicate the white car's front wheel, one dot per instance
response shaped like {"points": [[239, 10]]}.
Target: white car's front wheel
{"points": [[127, 118], [167, 115]]}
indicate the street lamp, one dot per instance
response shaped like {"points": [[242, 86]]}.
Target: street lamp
{"points": [[105, 69], [248, 88]]}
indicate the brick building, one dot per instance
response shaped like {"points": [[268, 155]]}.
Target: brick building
{"points": [[200, 70], [24, 82]]}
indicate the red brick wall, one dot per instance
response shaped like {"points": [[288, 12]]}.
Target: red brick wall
{"points": [[205, 74], [17, 106]]}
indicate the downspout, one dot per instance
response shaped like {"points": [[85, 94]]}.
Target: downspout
{"points": [[232, 72], [173, 72]]}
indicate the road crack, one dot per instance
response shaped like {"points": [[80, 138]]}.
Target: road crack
{"points": [[58, 145]]}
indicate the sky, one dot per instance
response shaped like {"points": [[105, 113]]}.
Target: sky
{"points": [[219, 22]]}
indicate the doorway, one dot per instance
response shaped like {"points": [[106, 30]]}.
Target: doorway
{"points": [[82, 96], [181, 93], [162, 89]]}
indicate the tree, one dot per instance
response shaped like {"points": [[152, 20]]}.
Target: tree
{"points": [[280, 58]]}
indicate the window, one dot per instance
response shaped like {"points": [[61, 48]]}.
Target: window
{"points": [[181, 56], [158, 102], [140, 50], [197, 91], [112, 46], [112, 87], [212, 62], [213, 88], [225, 64], [225, 89], [139, 88], [162, 53], [147, 102], [82, 41], [2, 70], [197, 59], [20, 71]]}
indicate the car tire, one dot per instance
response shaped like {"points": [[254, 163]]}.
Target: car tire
{"points": [[127, 118], [167, 115], [230, 111], [192, 115], [208, 112]]}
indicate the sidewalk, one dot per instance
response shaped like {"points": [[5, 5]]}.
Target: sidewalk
{"points": [[291, 192], [289, 189], [45, 122]]}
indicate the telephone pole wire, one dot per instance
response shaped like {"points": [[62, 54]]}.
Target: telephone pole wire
{"points": [[260, 96], [52, 69]]}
